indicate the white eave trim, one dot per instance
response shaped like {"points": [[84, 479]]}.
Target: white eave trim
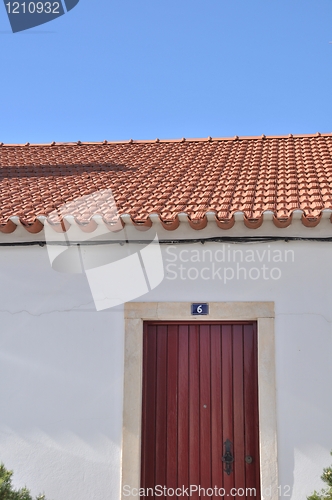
{"points": [[185, 231]]}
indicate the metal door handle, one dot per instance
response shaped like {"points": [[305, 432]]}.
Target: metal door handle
{"points": [[248, 459], [228, 458]]}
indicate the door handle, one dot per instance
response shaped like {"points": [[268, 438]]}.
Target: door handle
{"points": [[228, 458]]}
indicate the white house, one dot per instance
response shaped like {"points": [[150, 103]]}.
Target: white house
{"points": [[166, 314]]}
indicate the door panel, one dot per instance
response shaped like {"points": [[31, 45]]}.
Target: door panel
{"points": [[199, 390], [216, 409], [161, 405], [183, 408], [172, 407], [194, 410]]}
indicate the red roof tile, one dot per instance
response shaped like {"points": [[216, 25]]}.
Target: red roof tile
{"points": [[251, 174]]}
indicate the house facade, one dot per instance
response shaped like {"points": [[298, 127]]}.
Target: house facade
{"points": [[166, 317]]}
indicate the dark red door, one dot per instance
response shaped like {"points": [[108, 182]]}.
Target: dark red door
{"points": [[200, 411]]}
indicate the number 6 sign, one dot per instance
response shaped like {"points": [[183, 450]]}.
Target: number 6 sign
{"points": [[199, 309]]}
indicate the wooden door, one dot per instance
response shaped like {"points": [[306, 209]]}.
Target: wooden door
{"points": [[200, 392]]}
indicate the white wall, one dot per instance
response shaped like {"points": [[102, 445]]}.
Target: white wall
{"points": [[60, 382], [61, 365]]}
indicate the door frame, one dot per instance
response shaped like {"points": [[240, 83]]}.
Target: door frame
{"points": [[135, 314]]}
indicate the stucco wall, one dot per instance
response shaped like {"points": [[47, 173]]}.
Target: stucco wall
{"points": [[61, 362]]}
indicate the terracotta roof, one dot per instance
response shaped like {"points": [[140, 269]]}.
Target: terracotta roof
{"points": [[196, 176]]}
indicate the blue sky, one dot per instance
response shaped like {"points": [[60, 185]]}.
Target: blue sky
{"points": [[178, 68]]}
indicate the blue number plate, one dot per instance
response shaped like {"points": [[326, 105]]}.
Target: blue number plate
{"points": [[199, 309]]}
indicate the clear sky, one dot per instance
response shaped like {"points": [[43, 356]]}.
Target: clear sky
{"points": [[143, 69]]}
